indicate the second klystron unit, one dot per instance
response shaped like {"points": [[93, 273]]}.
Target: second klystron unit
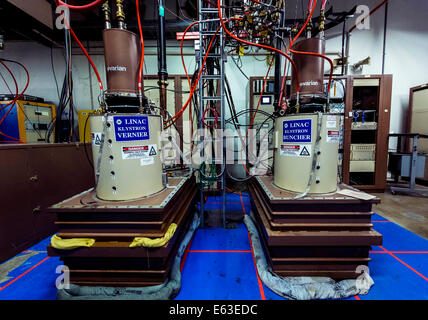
{"points": [[306, 156], [126, 149]]}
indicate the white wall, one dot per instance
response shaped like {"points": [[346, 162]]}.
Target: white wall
{"points": [[407, 46]]}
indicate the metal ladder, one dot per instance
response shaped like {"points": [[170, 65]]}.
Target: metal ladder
{"points": [[207, 31]]}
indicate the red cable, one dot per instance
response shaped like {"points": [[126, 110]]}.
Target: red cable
{"points": [[187, 75], [260, 99], [215, 115], [211, 3], [16, 97], [182, 54], [371, 12], [10, 103], [322, 56], [14, 80], [179, 113], [258, 105], [140, 71], [306, 23], [259, 45], [312, 53], [83, 7], [86, 53], [21, 94], [324, 2]]}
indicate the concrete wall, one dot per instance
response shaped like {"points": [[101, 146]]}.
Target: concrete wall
{"points": [[405, 58]]}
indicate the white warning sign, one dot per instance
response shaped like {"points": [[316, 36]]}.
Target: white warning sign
{"points": [[147, 161], [296, 150], [96, 138], [331, 122], [139, 152], [333, 136]]}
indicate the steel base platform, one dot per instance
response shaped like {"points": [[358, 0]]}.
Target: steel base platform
{"points": [[114, 225], [326, 235]]}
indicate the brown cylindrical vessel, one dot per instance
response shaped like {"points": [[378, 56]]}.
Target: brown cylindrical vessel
{"points": [[310, 69], [122, 58]]}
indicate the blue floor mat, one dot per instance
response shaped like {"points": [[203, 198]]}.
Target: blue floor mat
{"points": [[221, 239], [215, 274], [37, 284], [219, 276], [394, 281], [377, 217], [396, 238]]}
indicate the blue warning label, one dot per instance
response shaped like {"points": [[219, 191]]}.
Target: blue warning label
{"points": [[131, 128], [297, 130]]}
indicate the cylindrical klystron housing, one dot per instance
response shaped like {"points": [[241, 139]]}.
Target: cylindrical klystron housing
{"points": [[310, 69], [129, 165], [295, 149], [122, 58]]}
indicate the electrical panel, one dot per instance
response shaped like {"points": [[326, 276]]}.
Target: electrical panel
{"points": [[29, 122]]}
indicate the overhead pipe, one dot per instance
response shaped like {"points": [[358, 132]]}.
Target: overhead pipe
{"points": [[385, 27], [278, 56]]}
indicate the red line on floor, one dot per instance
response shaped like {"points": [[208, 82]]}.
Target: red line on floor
{"points": [[23, 274], [242, 203], [262, 293], [418, 273], [185, 254], [398, 251], [221, 251], [357, 298]]}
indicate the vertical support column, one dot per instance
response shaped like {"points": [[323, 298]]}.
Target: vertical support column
{"points": [[201, 110], [414, 162], [162, 70], [278, 57], [222, 83]]}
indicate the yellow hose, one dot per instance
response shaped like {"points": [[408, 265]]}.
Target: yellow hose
{"points": [[152, 243], [70, 244]]}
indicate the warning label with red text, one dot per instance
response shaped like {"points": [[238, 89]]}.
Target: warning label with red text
{"points": [[296, 150], [333, 136], [139, 152]]}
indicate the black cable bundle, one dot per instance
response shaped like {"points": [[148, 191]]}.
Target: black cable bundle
{"points": [[65, 133]]}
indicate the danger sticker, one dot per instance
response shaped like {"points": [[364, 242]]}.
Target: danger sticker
{"points": [[296, 150], [96, 138], [333, 136], [139, 152]]}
